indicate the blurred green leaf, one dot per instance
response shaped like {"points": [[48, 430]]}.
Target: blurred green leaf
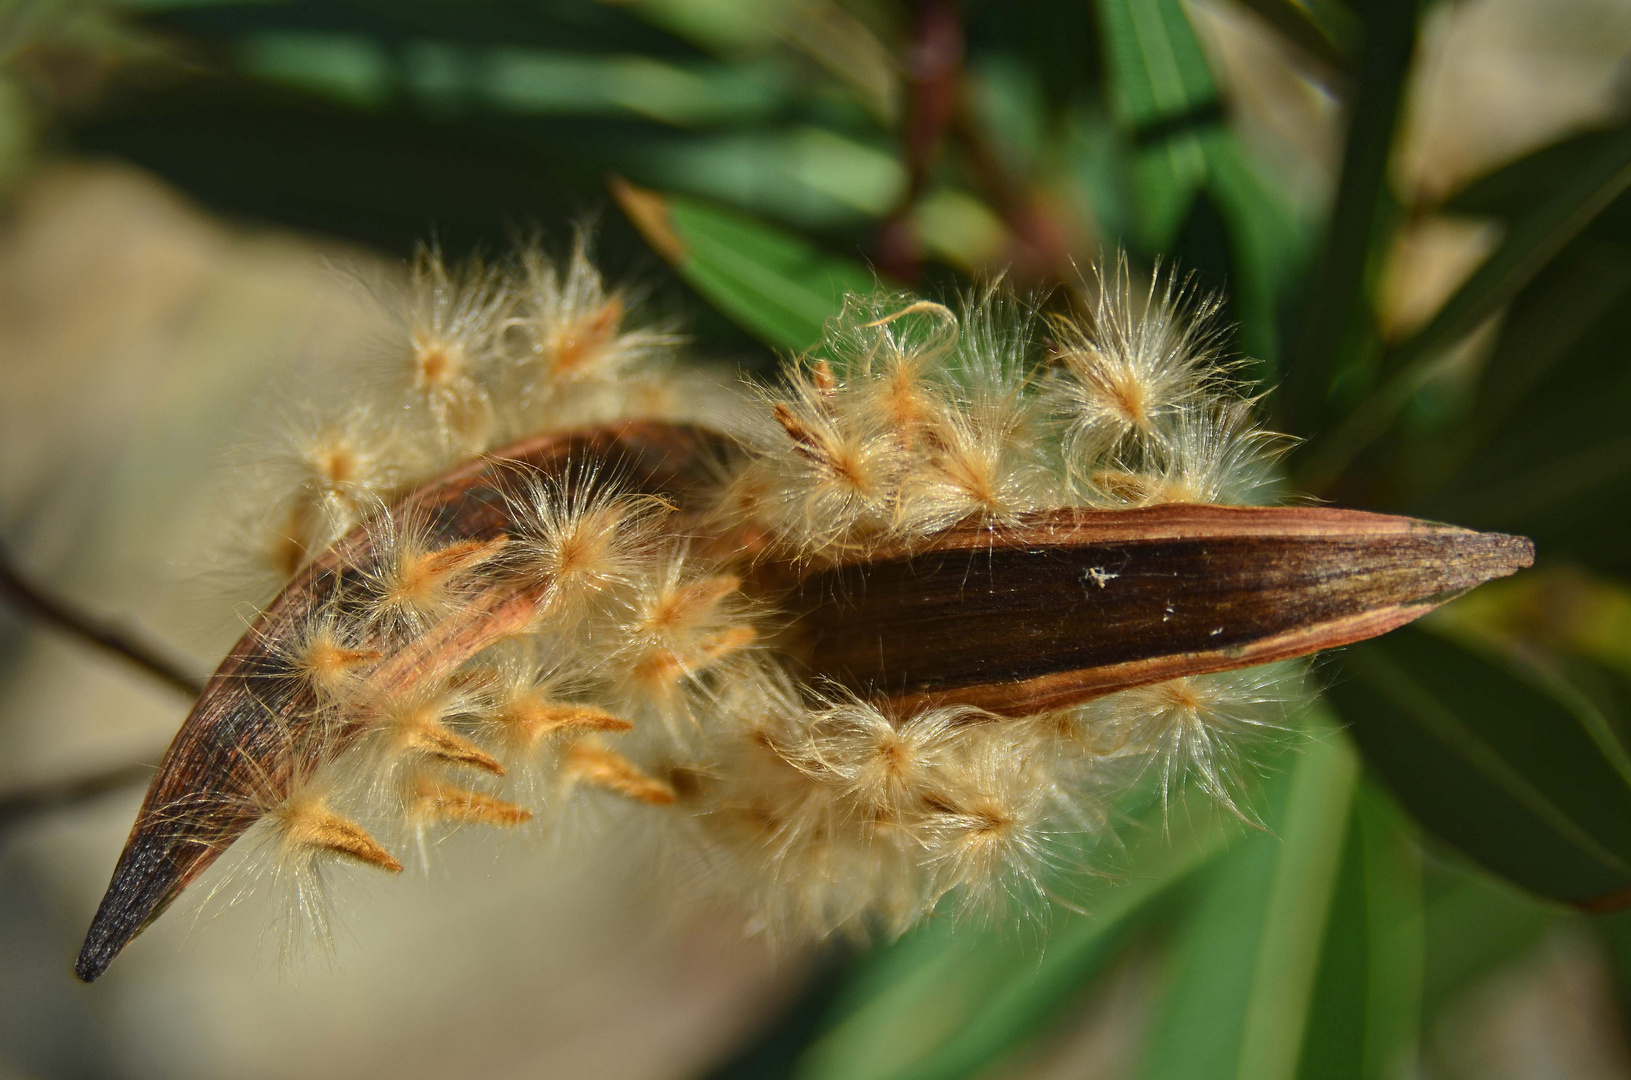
{"points": [[1052, 39], [1364, 1017], [1574, 191], [1325, 29], [1247, 960], [1501, 759], [1268, 250], [1547, 451], [1512, 191], [576, 25], [811, 176], [350, 69], [362, 71], [1160, 92], [1163, 97], [775, 284], [1567, 191], [1474, 924], [1338, 334], [390, 179]]}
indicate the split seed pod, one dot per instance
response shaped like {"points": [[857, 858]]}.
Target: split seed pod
{"points": [[819, 634]]}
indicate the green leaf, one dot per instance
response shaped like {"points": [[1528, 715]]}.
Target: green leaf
{"points": [[946, 1001], [1365, 1013], [1157, 70], [1547, 451], [1474, 924], [1499, 758], [577, 25], [1578, 186], [386, 179], [1160, 90], [1165, 101], [1325, 29], [774, 284], [1512, 191], [811, 176], [1247, 961], [1338, 332], [1268, 249]]}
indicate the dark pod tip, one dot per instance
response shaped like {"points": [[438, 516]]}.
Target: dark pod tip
{"points": [[146, 879]]}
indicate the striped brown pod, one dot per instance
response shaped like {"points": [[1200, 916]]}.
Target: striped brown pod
{"points": [[248, 704]]}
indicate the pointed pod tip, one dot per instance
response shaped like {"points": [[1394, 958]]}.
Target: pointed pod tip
{"points": [[1479, 557], [93, 960], [1520, 549], [144, 882], [1074, 604]]}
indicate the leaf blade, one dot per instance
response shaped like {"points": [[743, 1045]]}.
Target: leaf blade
{"points": [[1533, 240], [1488, 756], [1247, 959], [774, 284]]}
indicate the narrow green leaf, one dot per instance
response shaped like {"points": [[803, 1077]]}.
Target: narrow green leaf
{"points": [[1160, 91], [1325, 29], [1474, 923], [1364, 1018], [577, 26], [1247, 960], [774, 284], [1597, 175], [1156, 67], [1594, 179], [1546, 451], [1267, 245], [1498, 758], [1338, 331], [1512, 191], [1165, 101]]}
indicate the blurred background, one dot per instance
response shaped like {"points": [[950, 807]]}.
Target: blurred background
{"points": [[1419, 215]]}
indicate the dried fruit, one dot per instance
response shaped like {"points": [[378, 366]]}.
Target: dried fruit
{"points": [[876, 635]]}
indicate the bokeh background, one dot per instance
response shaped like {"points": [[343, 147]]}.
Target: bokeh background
{"points": [[1418, 213]]}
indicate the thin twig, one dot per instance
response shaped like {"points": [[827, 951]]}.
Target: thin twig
{"points": [[27, 801], [934, 63], [64, 615], [1043, 249]]}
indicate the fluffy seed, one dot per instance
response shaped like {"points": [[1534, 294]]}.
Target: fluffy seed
{"points": [[308, 825], [588, 761]]}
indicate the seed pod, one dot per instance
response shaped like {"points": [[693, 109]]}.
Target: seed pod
{"points": [[1060, 608], [251, 705], [1074, 604]]}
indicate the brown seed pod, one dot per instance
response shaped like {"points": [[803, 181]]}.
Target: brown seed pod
{"points": [[251, 706], [1062, 607], [1074, 604]]}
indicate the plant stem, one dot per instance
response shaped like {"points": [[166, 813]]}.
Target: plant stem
{"points": [[57, 794], [31, 599]]}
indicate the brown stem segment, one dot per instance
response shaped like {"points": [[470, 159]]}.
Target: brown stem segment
{"points": [[1066, 606]]}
